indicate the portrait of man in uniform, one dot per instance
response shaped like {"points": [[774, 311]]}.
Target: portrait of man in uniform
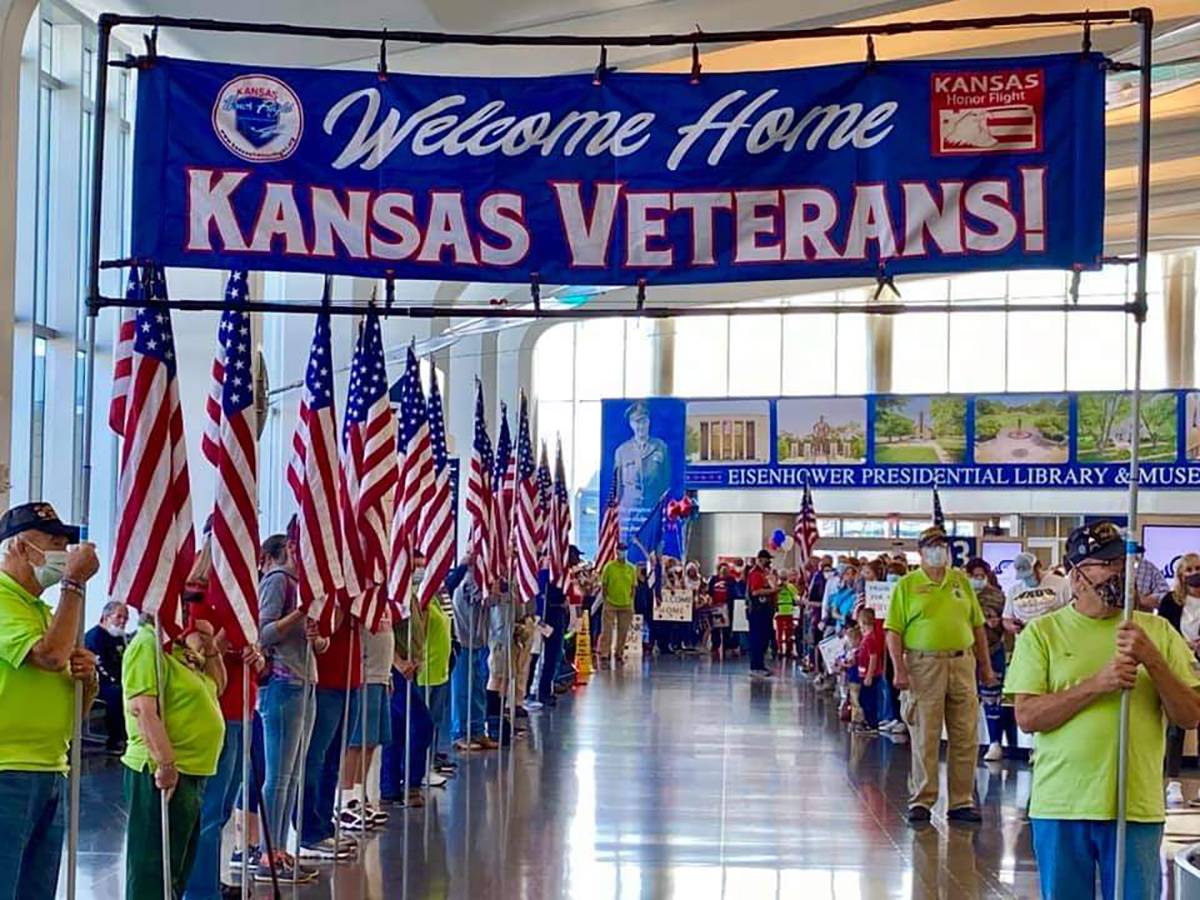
{"points": [[642, 468]]}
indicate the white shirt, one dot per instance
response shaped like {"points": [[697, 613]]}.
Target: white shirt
{"points": [[1189, 619], [1024, 604]]}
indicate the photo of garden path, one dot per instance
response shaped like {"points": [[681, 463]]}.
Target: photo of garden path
{"points": [[920, 430], [1104, 427], [1021, 429]]}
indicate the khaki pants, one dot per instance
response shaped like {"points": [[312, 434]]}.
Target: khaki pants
{"points": [[615, 629], [941, 689]]}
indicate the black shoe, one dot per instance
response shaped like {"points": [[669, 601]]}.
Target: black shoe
{"points": [[918, 814], [964, 814]]}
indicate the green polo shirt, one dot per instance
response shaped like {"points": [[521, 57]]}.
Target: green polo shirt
{"points": [[934, 617], [188, 707], [1075, 774], [435, 668], [787, 600], [37, 707], [618, 580]]}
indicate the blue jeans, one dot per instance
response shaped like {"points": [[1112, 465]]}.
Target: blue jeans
{"points": [[1069, 851], [552, 648], [326, 741], [392, 775], [220, 793], [762, 618], [472, 663], [285, 735], [887, 704], [439, 712], [32, 813]]}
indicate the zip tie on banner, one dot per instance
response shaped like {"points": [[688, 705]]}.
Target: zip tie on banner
{"points": [[884, 279], [151, 40], [870, 51], [383, 66], [327, 293], [535, 290], [641, 294], [1087, 34], [1073, 291], [389, 289], [695, 78], [602, 68]]}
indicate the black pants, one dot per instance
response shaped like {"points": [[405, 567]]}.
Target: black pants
{"points": [[1175, 738], [762, 618], [114, 714], [556, 618]]}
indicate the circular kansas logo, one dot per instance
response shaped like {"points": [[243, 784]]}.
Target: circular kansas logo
{"points": [[259, 118]]}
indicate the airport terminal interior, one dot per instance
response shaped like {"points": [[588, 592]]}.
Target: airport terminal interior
{"points": [[599, 449]]}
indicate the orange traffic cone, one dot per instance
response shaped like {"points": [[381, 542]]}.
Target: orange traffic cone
{"points": [[583, 650]]}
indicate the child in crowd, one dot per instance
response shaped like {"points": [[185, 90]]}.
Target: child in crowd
{"points": [[870, 668], [848, 670]]}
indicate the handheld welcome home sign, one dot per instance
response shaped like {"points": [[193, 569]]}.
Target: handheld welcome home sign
{"points": [[829, 171]]}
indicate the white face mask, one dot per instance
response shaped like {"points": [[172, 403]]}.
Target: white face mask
{"points": [[54, 564], [936, 555], [418, 574], [978, 584]]}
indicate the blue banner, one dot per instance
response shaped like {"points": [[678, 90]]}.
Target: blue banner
{"points": [[1063, 441], [833, 171]]}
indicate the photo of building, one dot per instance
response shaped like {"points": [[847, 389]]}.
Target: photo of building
{"points": [[821, 430], [728, 432]]}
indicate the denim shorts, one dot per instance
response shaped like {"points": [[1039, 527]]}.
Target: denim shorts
{"points": [[379, 719]]}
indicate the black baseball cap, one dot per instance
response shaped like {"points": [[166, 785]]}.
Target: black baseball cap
{"points": [[1098, 540], [934, 534], [36, 516], [764, 554]]}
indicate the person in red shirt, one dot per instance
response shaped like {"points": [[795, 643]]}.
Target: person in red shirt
{"points": [[870, 665], [762, 587]]}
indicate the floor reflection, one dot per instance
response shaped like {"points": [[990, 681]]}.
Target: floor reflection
{"points": [[693, 783]]}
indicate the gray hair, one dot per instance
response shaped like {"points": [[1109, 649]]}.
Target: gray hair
{"points": [[110, 607]]}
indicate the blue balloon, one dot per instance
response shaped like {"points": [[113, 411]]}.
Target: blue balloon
{"points": [[778, 537]]}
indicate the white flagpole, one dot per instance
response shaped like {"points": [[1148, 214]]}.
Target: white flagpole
{"points": [[470, 635], [305, 736], [362, 744], [431, 750], [408, 696], [164, 802], [337, 819], [247, 725]]}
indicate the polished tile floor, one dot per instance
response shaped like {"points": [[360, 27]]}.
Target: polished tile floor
{"points": [[680, 778]]}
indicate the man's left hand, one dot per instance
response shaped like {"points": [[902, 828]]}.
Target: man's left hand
{"points": [[989, 678], [82, 664], [1133, 642]]}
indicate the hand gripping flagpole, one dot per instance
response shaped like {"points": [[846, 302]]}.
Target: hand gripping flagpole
{"points": [[164, 807], [1146, 20]]}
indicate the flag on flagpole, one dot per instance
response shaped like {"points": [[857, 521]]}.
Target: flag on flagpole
{"points": [[123, 352], [479, 503], [368, 476], [231, 445], [545, 498], [155, 540], [312, 474], [439, 547], [559, 539], [525, 524], [503, 477], [610, 531], [415, 486], [939, 517], [805, 530]]}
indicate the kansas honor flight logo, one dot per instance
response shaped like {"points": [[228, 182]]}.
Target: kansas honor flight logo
{"points": [[258, 118], [987, 112]]}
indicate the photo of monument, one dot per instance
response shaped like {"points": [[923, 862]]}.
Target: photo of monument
{"points": [[1025, 429], [821, 430], [920, 430]]}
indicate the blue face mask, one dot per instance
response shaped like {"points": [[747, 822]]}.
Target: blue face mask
{"points": [[978, 584], [1030, 581], [841, 567], [892, 577]]}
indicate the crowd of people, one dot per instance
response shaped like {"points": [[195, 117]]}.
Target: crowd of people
{"points": [[327, 701]]}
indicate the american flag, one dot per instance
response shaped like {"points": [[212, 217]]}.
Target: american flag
{"points": [[313, 476], [368, 476], [155, 540], [545, 498], [123, 352], [610, 530], [233, 451], [479, 499], [525, 519], [559, 524], [415, 486], [503, 478], [805, 529], [939, 518], [439, 535]]}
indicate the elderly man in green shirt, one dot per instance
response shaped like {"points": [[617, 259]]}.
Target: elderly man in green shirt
{"points": [[1068, 672], [617, 581], [935, 638], [39, 663]]}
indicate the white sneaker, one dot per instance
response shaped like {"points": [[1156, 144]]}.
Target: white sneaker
{"points": [[898, 727], [435, 780], [1174, 794], [994, 753]]}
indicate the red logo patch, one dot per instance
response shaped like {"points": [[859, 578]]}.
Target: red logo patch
{"points": [[996, 111]]}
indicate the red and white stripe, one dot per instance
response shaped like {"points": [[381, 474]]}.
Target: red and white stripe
{"points": [[525, 518], [122, 370], [558, 539], [610, 533], [478, 500]]}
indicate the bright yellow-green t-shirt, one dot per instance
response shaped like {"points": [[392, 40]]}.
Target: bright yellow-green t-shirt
{"points": [[188, 707], [435, 669], [1075, 771], [37, 707], [934, 617], [618, 580], [787, 600]]}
